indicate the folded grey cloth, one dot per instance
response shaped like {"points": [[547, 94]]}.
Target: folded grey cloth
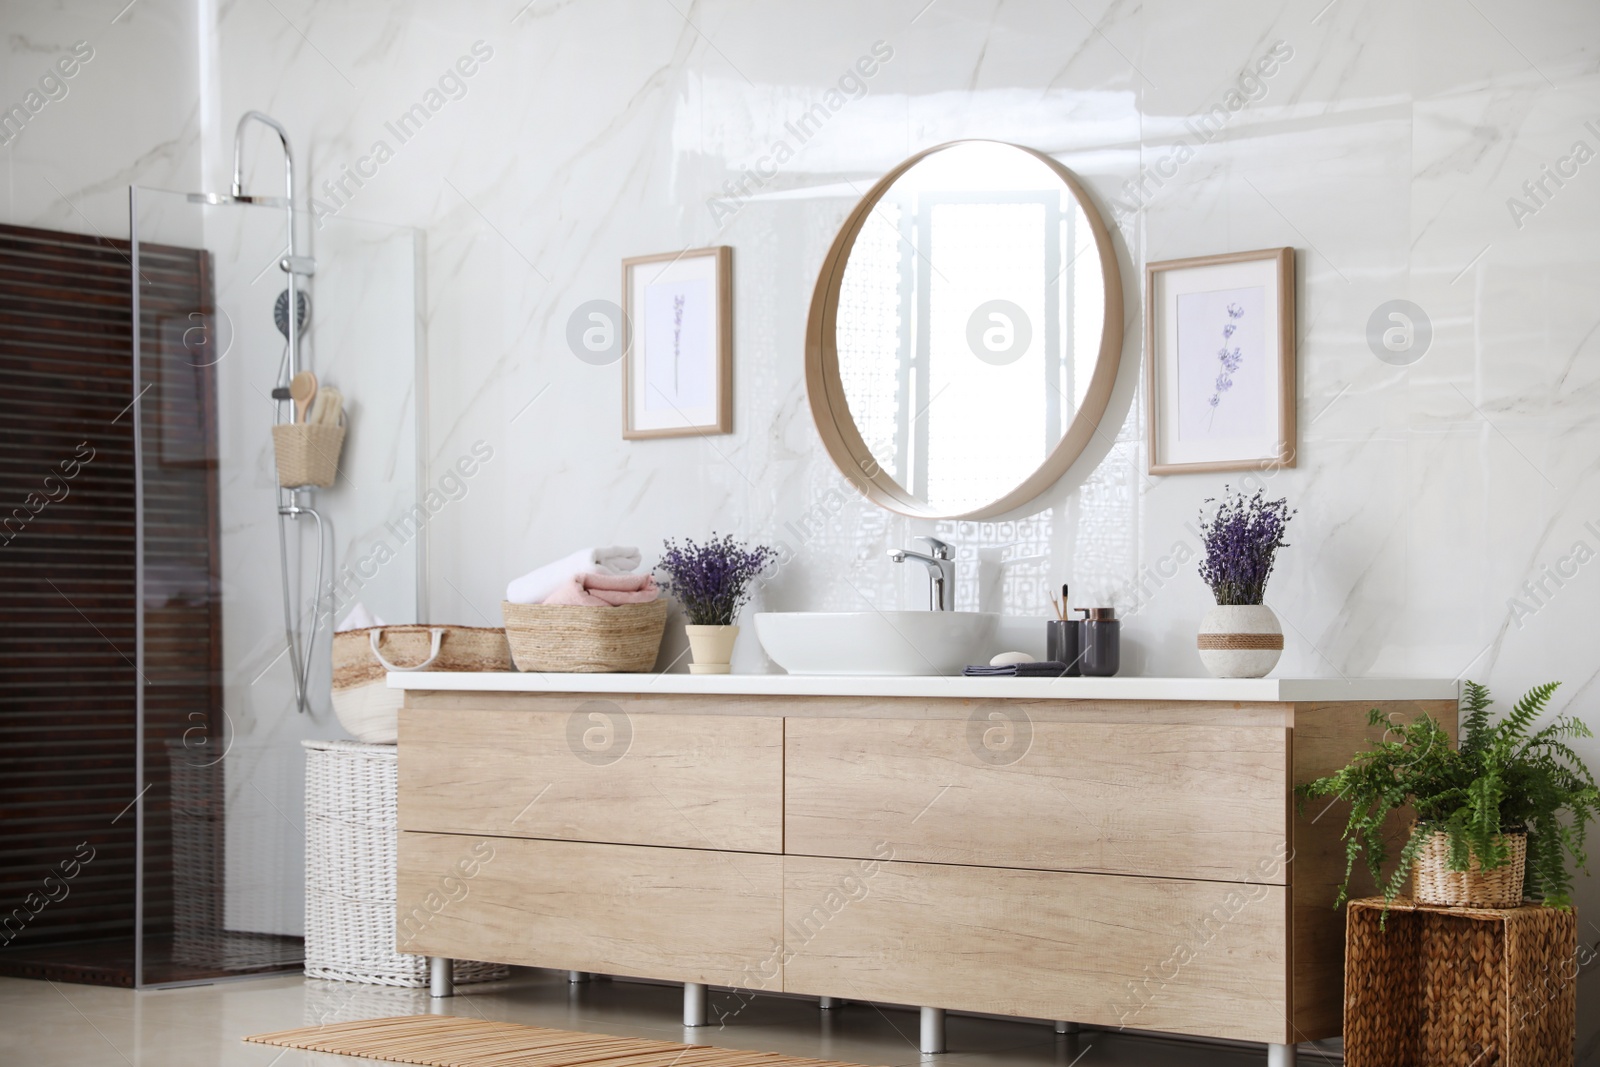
{"points": [[1042, 669]]}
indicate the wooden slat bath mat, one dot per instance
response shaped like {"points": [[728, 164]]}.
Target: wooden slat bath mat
{"points": [[449, 1041]]}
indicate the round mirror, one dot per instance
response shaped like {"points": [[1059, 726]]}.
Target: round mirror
{"points": [[965, 331]]}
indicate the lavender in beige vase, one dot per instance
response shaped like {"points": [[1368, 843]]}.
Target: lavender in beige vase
{"points": [[1241, 637], [712, 582]]}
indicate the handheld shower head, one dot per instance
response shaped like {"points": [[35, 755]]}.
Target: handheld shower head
{"points": [[302, 312]]}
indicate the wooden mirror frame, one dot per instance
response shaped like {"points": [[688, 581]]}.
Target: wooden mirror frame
{"points": [[825, 389]]}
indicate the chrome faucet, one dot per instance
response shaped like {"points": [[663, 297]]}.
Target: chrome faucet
{"points": [[940, 562]]}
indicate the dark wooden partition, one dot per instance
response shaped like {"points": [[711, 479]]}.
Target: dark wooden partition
{"points": [[69, 686]]}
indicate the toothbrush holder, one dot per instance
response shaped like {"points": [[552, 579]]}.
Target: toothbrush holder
{"points": [[1061, 643]]}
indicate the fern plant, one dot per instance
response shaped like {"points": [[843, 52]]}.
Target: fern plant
{"points": [[1504, 777]]}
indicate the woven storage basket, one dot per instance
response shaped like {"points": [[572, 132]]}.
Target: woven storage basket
{"points": [[569, 639], [352, 833], [1436, 883], [362, 699], [307, 453], [1459, 987]]}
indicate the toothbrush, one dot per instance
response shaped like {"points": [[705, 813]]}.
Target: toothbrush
{"points": [[1060, 605]]}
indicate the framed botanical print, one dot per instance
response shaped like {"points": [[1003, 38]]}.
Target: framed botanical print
{"points": [[677, 363], [1220, 369]]}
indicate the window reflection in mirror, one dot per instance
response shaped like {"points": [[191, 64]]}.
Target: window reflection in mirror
{"points": [[969, 323]]}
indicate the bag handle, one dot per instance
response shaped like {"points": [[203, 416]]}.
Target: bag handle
{"points": [[433, 654]]}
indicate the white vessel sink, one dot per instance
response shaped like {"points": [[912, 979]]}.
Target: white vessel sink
{"points": [[876, 642]]}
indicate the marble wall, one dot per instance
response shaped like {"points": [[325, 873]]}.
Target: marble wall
{"points": [[1384, 149], [128, 113], [1445, 505]]}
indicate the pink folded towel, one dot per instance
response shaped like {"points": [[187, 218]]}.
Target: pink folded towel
{"points": [[605, 590]]}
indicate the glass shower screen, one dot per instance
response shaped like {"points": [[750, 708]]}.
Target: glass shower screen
{"points": [[221, 833]]}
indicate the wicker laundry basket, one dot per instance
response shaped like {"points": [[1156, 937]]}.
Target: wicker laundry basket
{"points": [[571, 639], [307, 453], [352, 832]]}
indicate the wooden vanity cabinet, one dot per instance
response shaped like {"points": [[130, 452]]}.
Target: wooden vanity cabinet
{"points": [[590, 773], [685, 915], [1133, 864]]}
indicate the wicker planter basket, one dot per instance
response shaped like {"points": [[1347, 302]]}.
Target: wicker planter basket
{"points": [[567, 639], [352, 832], [362, 700], [1437, 884], [307, 453]]}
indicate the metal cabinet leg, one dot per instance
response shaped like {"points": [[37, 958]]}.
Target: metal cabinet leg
{"points": [[694, 1004], [932, 1031], [825, 1003], [1064, 1027], [1280, 1055], [575, 977], [441, 982]]}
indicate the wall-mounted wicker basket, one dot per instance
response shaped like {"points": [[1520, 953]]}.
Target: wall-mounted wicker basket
{"points": [[307, 453], [569, 639]]}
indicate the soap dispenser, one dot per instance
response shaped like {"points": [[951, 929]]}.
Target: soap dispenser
{"points": [[1099, 642]]}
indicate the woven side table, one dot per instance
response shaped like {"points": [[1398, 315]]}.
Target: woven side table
{"points": [[1446, 986], [352, 834]]}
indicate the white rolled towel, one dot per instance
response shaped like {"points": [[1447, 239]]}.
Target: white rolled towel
{"points": [[536, 586]]}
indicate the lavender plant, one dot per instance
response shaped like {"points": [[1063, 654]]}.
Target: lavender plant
{"points": [[712, 581], [1242, 537]]}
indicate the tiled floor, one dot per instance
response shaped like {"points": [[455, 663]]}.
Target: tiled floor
{"points": [[45, 1024]]}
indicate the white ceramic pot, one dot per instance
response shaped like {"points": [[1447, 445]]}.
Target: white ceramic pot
{"points": [[711, 648], [1240, 640]]}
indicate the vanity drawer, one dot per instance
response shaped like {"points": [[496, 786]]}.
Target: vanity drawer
{"points": [[1178, 801], [1105, 950], [595, 773], [676, 914]]}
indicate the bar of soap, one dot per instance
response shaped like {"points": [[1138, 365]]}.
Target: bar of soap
{"points": [[1007, 659]]}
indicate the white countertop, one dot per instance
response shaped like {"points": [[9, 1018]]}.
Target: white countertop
{"points": [[1221, 689]]}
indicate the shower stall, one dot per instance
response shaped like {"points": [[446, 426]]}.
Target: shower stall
{"points": [[196, 595]]}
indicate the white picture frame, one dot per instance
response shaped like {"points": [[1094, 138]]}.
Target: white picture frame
{"points": [[1220, 362], [677, 362]]}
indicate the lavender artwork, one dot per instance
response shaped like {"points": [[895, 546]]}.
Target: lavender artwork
{"points": [[1242, 536], [712, 581], [1223, 374], [676, 339], [1228, 359]]}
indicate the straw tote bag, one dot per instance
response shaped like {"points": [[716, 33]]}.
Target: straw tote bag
{"points": [[362, 659]]}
